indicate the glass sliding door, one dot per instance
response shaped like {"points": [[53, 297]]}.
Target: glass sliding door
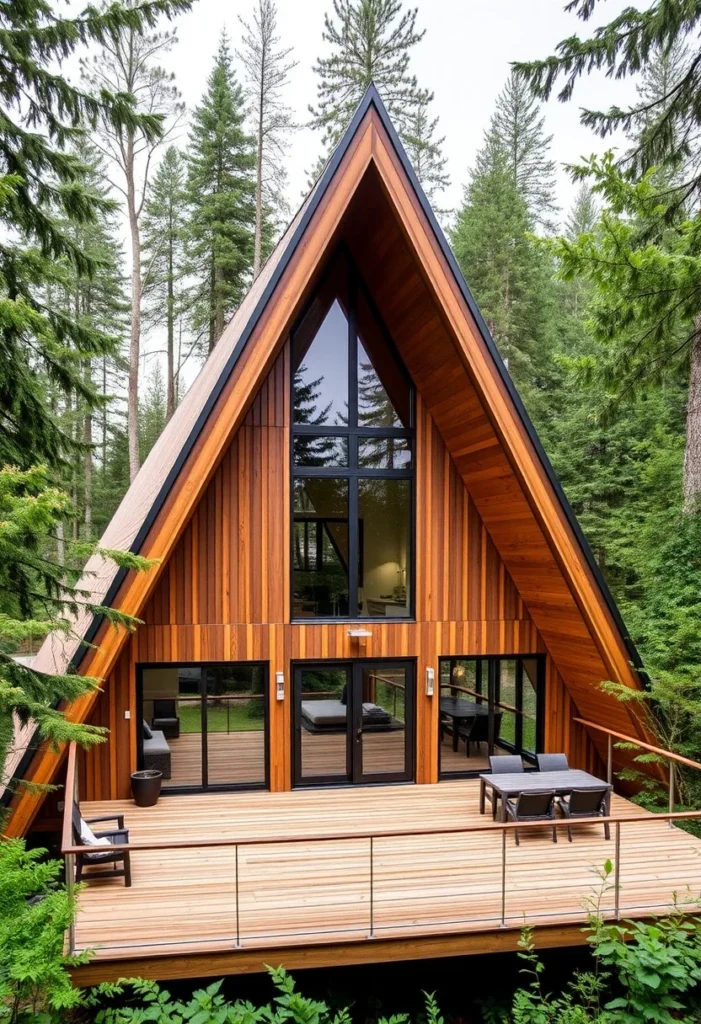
{"points": [[488, 706], [353, 722], [204, 726]]}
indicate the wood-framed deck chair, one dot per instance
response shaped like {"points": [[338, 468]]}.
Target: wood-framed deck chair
{"points": [[552, 762], [586, 803], [502, 764], [532, 806], [107, 847]]}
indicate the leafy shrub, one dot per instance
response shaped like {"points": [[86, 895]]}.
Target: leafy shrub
{"points": [[35, 911], [208, 1006]]}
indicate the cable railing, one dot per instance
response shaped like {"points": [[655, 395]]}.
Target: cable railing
{"points": [[496, 900]]}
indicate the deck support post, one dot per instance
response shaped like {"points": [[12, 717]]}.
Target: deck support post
{"points": [[617, 874], [503, 878], [372, 888], [236, 885], [70, 877]]}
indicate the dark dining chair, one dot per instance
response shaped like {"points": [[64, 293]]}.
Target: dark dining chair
{"points": [[165, 718], [552, 762], [586, 803], [103, 854], [502, 764], [533, 806], [480, 732]]}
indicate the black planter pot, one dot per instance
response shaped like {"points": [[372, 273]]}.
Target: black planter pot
{"points": [[146, 787]]}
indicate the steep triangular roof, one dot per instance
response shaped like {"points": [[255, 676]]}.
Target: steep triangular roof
{"points": [[158, 504]]}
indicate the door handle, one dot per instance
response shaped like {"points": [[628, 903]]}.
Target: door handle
{"points": [[359, 733]]}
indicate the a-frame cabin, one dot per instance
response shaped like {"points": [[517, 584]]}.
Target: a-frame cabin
{"points": [[369, 578]]}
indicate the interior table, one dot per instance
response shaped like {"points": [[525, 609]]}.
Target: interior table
{"points": [[560, 783], [459, 710]]}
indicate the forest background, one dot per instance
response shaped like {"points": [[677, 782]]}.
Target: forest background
{"points": [[134, 224]]}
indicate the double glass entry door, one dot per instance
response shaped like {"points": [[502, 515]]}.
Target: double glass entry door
{"points": [[353, 723]]}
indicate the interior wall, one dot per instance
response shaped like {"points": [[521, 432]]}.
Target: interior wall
{"points": [[224, 596]]}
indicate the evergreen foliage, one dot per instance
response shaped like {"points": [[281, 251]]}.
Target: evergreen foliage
{"points": [[55, 235], [623, 47], [35, 911], [221, 193], [508, 276], [518, 127], [371, 42]]}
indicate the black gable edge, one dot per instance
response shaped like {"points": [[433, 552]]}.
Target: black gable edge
{"points": [[371, 98]]}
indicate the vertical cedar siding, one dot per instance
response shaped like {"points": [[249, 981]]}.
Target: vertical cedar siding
{"points": [[224, 596]]}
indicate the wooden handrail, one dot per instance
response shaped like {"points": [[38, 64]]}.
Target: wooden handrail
{"points": [[668, 754], [69, 798], [211, 696]]}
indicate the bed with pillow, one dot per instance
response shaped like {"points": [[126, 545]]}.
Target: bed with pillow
{"points": [[330, 716]]}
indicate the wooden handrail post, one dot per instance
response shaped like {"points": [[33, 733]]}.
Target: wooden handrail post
{"points": [[609, 762], [617, 874], [671, 792], [503, 879], [70, 876], [236, 889], [372, 888]]}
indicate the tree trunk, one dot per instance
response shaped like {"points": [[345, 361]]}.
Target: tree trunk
{"points": [[135, 335], [170, 343], [258, 237], [216, 314], [692, 452], [87, 460]]}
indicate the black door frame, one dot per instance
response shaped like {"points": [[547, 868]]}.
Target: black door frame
{"points": [[492, 697], [205, 786], [354, 732]]}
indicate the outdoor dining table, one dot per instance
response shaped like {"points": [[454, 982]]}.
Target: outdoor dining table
{"points": [[561, 783], [459, 710]]}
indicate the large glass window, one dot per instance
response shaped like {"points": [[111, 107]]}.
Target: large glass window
{"points": [[352, 459], [204, 726], [489, 706]]}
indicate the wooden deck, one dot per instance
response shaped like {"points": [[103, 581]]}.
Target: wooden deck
{"points": [[318, 894]]}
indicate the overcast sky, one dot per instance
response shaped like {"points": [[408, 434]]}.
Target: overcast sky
{"points": [[463, 58]]}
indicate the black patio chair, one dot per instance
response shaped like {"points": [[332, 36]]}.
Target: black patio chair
{"points": [[586, 803], [502, 764], [533, 806], [552, 762], [165, 718], [480, 733], [102, 855]]}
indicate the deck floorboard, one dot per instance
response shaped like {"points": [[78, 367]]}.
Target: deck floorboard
{"points": [[310, 893]]}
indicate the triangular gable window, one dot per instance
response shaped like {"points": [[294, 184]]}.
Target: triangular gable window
{"points": [[353, 437]]}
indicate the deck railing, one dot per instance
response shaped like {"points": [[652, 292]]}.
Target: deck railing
{"points": [[501, 917]]}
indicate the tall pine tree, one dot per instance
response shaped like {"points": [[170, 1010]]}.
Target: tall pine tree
{"points": [[42, 187], [425, 150], [221, 192], [502, 266], [371, 42], [519, 127], [164, 261], [267, 68]]}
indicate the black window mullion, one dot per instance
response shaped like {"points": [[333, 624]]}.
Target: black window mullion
{"points": [[353, 547], [203, 726], [353, 351], [518, 701]]}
